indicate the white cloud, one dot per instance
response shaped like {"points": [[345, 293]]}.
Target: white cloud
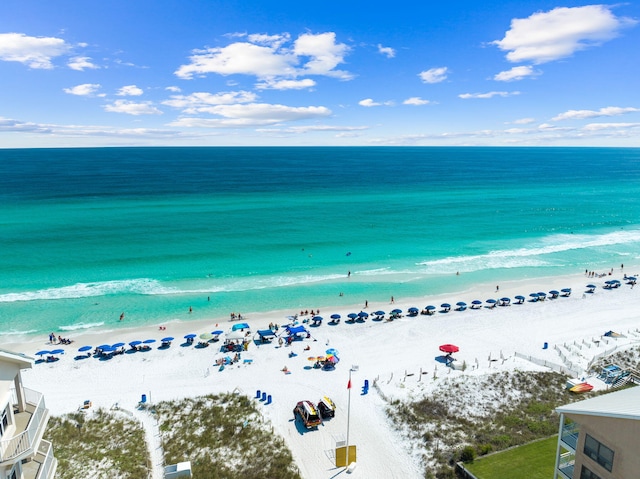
{"points": [[132, 108], [314, 128], [415, 100], [265, 57], [491, 94], [202, 102], [610, 126], [368, 102], [86, 89], [81, 64], [173, 89], [516, 73], [387, 51], [434, 75], [35, 52], [129, 90], [524, 121], [559, 33], [584, 114], [253, 114], [325, 54], [271, 84]]}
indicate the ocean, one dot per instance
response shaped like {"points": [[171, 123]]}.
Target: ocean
{"points": [[87, 234]]}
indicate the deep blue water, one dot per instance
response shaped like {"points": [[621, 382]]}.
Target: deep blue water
{"points": [[88, 233]]}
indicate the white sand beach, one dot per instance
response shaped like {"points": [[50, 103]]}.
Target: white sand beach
{"points": [[401, 357]]}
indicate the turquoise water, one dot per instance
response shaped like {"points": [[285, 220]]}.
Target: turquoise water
{"points": [[87, 234]]}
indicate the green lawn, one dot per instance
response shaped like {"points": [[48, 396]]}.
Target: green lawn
{"points": [[531, 461]]}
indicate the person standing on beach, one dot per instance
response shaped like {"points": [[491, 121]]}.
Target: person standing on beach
{"points": [[392, 301], [366, 304]]}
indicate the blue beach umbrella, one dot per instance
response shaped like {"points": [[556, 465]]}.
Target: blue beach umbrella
{"points": [[190, 336], [335, 316], [362, 314], [217, 332], [317, 318], [534, 296], [491, 301], [505, 300], [520, 298], [413, 310], [85, 348], [461, 303], [445, 305], [135, 343], [104, 346], [117, 345], [352, 315], [332, 351], [168, 339], [476, 302], [149, 341], [431, 307], [554, 292], [379, 313], [566, 290], [396, 311], [42, 353]]}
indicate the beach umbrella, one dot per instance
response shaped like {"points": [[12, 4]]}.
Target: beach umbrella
{"points": [[491, 301], [190, 336], [449, 348], [476, 302], [57, 351], [362, 314], [520, 298], [42, 353], [117, 345], [396, 311], [505, 301], [413, 310], [554, 292], [379, 313], [331, 351], [461, 303], [168, 339], [335, 316], [312, 358], [445, 305], [352, 315], [542, 295], [106, 349], [85, 348], [216, 332], [430, 308], [206, 336], [534, 296], [318, 318], [631, 278], [135, 343], [149, 341], [566, 290], [333, 359], [104, 346]]}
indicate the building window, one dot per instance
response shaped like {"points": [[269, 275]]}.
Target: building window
{"points": [[4, 420], [598, 452], [587, 474]]}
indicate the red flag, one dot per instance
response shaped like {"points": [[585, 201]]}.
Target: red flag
{"points": [[349, 385]]}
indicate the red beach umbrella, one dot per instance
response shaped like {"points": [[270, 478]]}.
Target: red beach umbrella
{"points": [[449, 348]]}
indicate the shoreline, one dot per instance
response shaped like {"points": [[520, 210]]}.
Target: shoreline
{"points": [[260, 320]]}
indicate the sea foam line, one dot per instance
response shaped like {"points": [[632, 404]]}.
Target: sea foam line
{"points": [[85, 290], [75, 327]]}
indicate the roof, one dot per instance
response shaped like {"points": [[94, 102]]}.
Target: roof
{"points": [[23, 361], [624, 404]]}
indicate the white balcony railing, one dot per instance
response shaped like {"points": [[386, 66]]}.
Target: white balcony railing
{"points": [[45, 455], [24, 441]]}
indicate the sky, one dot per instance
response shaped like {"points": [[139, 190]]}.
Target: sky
{"points": [[77, 73]]}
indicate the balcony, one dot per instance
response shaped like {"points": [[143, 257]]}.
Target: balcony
{"points": [[566, 465], [43, 465], [569, 435], [30, 425]]}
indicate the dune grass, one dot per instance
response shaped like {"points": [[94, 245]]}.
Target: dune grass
{"points": [[100, 445], [535, 460], [225, 437]]}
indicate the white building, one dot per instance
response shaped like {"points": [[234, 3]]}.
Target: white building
{"points": [[24, 454]]}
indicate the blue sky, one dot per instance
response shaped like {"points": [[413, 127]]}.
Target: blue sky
{"points": [[415, 73]]}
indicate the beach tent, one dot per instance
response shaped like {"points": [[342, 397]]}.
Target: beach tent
{"points": [[265, 335], [235, 335], [240, 326], [295, 329]]}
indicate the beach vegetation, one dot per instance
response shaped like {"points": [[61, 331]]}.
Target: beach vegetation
{"points": [[465, 418], [100, 444], [224, 436]]}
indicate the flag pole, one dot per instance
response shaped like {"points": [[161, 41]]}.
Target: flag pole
{"points": [[353, 368]]}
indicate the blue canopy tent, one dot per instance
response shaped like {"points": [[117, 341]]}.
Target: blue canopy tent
{"points": [[240, 326], [265, 335]]}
